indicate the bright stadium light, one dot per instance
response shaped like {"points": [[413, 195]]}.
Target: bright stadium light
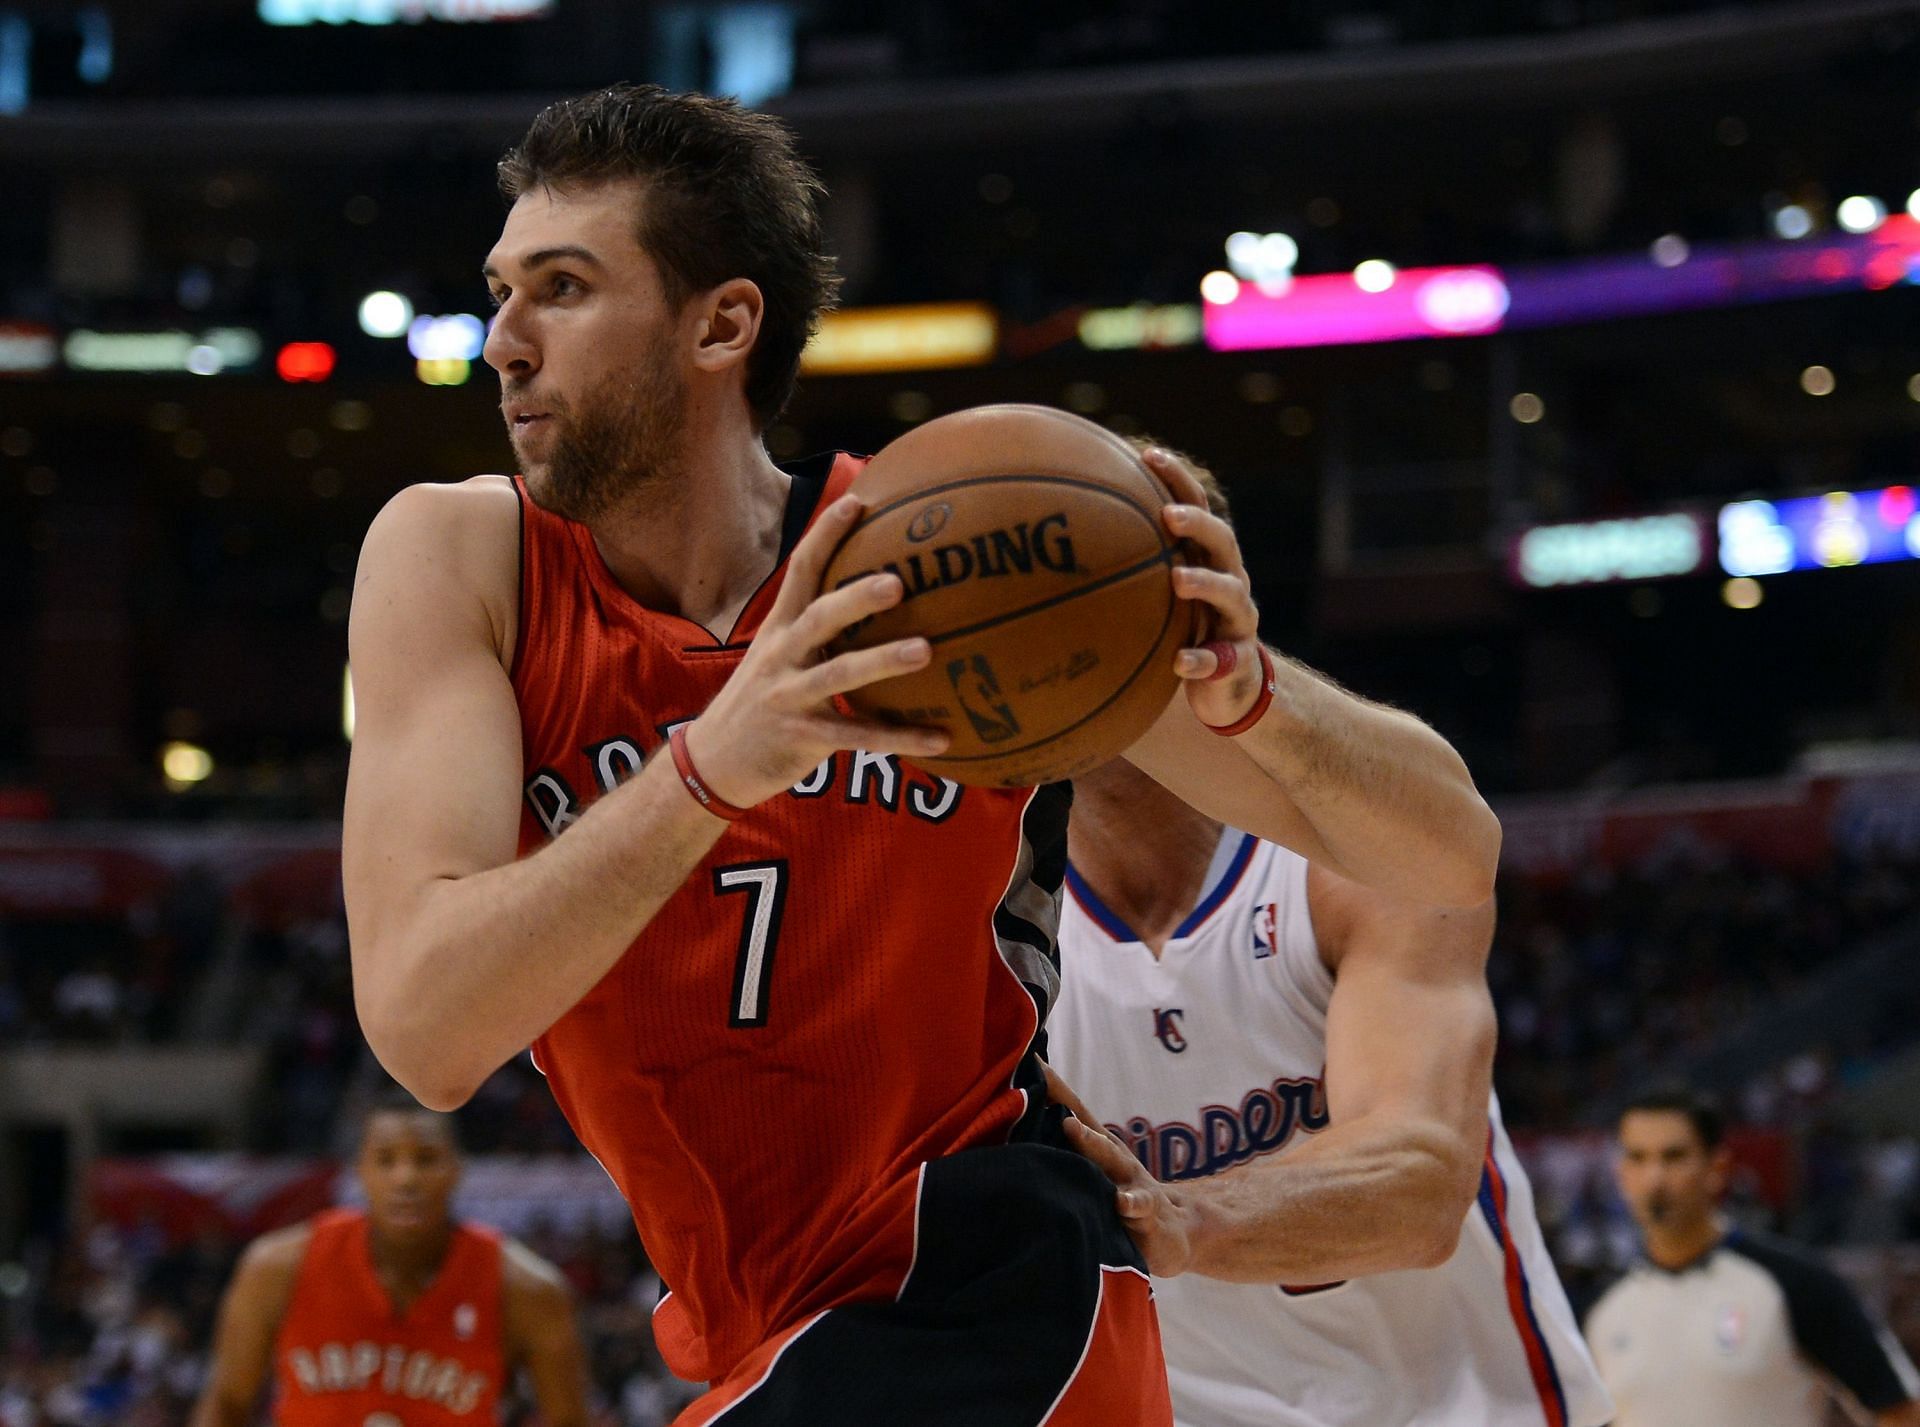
{"points": [[385, 314], [1670, 250], [1742, 593], [1790, 220], [1219, 287], [1374, 275], [184, 764], [1817, 381], [1860, 213], [1913, 204]]}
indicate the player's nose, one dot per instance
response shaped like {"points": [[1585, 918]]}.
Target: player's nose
{"points": [[509, 348]]}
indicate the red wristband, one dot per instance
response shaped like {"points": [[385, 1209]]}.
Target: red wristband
{"points": [[702, 794], [1252, 716]]}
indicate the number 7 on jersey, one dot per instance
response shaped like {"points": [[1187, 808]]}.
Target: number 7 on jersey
{"points": [[765, 886]]}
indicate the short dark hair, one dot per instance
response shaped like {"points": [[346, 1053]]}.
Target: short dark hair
{"points": [[397, 1100], [1701, 1109], [727, 197]]}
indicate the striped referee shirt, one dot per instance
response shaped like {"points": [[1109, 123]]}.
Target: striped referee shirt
{"points": [[1753, 1331]]}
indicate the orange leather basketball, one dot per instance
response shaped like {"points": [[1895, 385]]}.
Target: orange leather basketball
{"points": [[1035, 563]]}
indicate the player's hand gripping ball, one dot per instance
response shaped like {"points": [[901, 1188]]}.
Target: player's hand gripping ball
{"points": [[1035, 560]]}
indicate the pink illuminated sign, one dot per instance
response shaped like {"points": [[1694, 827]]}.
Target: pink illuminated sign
{"points": [[1332, 309]]}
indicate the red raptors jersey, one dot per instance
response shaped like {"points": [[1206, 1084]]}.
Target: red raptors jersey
{"points": [[847, 986], [344, 1358]]}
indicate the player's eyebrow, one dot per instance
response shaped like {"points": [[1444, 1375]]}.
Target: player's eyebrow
{"points": [[567, 252]]}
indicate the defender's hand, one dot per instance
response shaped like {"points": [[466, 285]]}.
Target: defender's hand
{"points": [[774, 721], [1161, 1219], [1222, 673]]}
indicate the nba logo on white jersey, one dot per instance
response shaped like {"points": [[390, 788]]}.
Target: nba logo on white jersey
{"points": [[1266, 929]]}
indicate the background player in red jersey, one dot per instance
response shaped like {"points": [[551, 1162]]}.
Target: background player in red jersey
{"points": [[786, 987], [397, 1314]]}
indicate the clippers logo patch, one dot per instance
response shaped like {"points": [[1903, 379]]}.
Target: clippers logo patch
{"points": [[1730, 1327], [1166, 1025], [466, 1318]]}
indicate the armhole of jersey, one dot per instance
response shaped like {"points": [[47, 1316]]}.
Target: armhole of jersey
{"points": [[520, 579], [1301, 941]]}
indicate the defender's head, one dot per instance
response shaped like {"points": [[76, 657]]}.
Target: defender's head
{"points": [[409, 1166], [662, 255], [1672, 1165]]}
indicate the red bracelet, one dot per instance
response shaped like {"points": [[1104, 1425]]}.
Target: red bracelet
{"points": [[705, 796], [1268, 686]]}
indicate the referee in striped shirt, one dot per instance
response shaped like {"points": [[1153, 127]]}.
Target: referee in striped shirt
{"points": [[1716, 1327]]}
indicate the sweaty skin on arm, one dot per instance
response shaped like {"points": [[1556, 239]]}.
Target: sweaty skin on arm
{"points": [[250, 1315], [543, 1336], [1410, 1035]]}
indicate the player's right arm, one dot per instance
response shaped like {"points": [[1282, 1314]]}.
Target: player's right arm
{"points": [[462, 956], [250, 1315]]}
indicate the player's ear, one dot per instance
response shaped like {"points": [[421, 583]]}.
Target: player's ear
{"points": [[729, 324]]}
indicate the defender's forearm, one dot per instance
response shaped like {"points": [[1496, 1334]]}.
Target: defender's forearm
{"points": [[1390, 800], [482, 964], [1356, 1199]]}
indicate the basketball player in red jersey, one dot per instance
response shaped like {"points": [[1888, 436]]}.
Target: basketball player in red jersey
{"points": [[786, 986], [397, 1315]]}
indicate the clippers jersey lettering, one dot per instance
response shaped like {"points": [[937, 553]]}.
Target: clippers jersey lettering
{"points": [[1214, 1055], [344, 1358], [847, 986]]}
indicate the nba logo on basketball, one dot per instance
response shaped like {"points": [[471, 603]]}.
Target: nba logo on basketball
{"points": [[1166, 1025], [1266, 930]]}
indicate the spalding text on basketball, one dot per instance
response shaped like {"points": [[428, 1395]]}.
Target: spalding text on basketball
{"points": [[1044, 544]]}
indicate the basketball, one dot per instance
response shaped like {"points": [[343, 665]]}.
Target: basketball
{"points": [[1034, 561]]}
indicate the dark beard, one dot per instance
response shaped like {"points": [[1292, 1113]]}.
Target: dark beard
{"points": [[624, 436]]}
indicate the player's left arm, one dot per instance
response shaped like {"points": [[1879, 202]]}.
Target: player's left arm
{"points": [[1347, 783], [1386, 1186], [543, 1336]]}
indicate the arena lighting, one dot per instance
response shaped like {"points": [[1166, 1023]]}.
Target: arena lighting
{"points": [[459, 336], [1669, 250], [398, 12], [26, 348], [87, 350], [1219, 287], [305, 362], [1823, 532], [1817, 381], [1373, 275], [1265, 259], [907, 338], [184, 764], [1326, 309], [385, 314], [1648, 547], [443, 371], [1860, 213], [1112, 329], [1791, 221], [1742, 593], [1913, 204]]}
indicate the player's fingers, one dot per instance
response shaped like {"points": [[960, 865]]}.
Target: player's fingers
{"points": [[1113, 1159], [1207, 530], [1202, 664], [809, 558], [837, 610], [1061, 1093], [872, 736], [860, 667], [1220, 591], [1175, 473]]}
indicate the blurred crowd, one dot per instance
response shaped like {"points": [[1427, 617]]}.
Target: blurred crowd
{"points": [[1602, 979]]}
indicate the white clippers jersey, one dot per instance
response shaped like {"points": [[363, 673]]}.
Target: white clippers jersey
{"points": [[1213, 1055]]}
